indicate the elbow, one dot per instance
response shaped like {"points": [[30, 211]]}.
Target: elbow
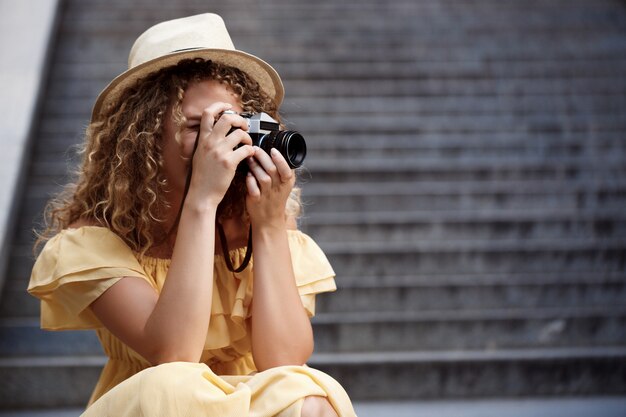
{"points": [[172, 358], [158, 349], [164, 355], [291, 357], [265, 364]]}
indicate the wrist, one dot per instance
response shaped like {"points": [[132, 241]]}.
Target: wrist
{"points": [[203, 206], [269, 228]]}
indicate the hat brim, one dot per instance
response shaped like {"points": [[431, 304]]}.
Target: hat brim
{"points": [[259, 70]]}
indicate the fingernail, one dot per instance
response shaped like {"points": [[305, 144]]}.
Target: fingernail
{"points": [[275, 152]]}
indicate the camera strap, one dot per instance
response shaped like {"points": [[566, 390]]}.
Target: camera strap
{"points": [[226, 252], [218, 225]]}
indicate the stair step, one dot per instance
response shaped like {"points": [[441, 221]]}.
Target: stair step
{"points": [[392, 125], [24, 338], [423, 144], [506, 373], [470, 329], [68, 381], [429, 225], [45, 412], [389, 331], [395, 169], [302, 107], [433, 87], [381, 173], [389, 169], [406, 42], [420, 297], [447, 226], [429, 291], [436, 196], [415, 297], [496, 259], [473, 256], [401, 83], [356, 331], [329, 69], [480, 144], [58, 381], [474, 246], [464, 187], [391, 217], [462, 195], [16, 302], [514, 278]]}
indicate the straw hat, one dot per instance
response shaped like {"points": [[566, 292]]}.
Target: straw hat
{"points": [[201, 36]]}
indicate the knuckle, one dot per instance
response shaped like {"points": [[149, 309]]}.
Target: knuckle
{"points": [[272, 170], [207, 113], [232, 119], [227, 117], [228, 164], [206, 147], [246, 138], [242, 136]]}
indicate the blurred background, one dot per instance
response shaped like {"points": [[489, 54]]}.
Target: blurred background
{"points": [[465, 176]]}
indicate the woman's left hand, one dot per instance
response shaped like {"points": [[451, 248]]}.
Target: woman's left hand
{"points": [[281, 332], [269, 183]]}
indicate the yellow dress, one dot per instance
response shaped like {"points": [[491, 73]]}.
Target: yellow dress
{"points": [[78, 265]]}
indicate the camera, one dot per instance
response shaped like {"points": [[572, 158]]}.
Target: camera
{"points": [[266, 134]]}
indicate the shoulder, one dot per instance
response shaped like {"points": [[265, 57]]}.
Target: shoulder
{"points": [[83, 253], [84, 244]]}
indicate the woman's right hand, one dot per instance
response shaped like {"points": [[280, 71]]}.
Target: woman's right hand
{"points": [[218, 153]]}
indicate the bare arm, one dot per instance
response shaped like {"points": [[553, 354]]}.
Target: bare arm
{"points": [[281, 329], [172, 326]]}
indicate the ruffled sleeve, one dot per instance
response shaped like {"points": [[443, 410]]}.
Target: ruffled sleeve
{"points": [[74, 268], [311, 268]]}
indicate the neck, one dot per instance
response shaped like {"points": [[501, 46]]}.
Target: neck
{"points": [[235, 230]]}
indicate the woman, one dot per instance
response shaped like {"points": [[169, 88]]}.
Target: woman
{"points": [[132, 252]]}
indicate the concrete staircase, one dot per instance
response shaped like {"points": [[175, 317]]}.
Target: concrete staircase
{"points": [[465, 177]]}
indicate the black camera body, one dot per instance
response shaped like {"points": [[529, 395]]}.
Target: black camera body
{"points": [[266, 134]]}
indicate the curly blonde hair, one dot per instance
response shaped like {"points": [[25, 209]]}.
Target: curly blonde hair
{"points": [[119, 184]]}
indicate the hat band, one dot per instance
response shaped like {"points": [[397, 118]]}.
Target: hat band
{"points": [[186, 49]]}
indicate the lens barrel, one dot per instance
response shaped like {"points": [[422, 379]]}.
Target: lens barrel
{"points": [[289, 143]]}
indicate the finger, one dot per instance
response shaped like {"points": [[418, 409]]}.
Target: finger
{"points": [[253, 186], [237, 137], [243, 152], [226, 122], [262, 177], [266, 163], [284, 170], [210, 115]]}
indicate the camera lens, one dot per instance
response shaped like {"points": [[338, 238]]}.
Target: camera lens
{"points": [[289, 143]]}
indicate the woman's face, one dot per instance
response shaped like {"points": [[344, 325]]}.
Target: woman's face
{"points": [[177, 156]]}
